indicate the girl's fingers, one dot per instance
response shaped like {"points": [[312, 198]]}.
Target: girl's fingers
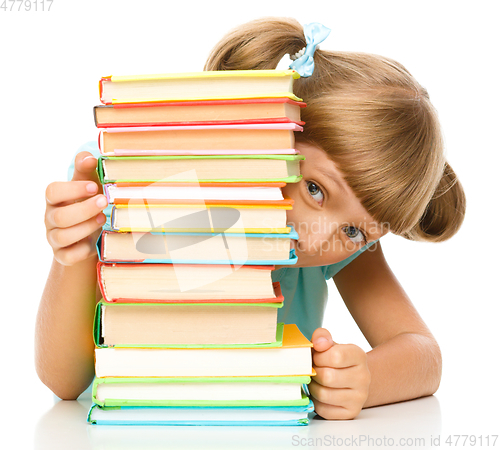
{"points": [[332, 412], [62, 193], [340, 356], [81, 250], [332, 396], [334, 378], [75, 213], [64, 237], [85, 167], [356, 377]]}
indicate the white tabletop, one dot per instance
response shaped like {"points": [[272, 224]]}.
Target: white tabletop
{"points": [[63, 426], [444, 420]]}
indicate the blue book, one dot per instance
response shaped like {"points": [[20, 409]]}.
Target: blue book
{"points": [[197, 248], [201, 415]]}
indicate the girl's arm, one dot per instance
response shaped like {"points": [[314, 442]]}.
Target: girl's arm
{"points": [[405, 360], [64, 349]]}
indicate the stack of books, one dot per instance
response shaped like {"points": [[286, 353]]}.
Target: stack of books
{"points": [[186, 332]]}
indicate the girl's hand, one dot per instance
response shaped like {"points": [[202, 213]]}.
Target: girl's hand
{"points": [[340, 388], [73, 215]]}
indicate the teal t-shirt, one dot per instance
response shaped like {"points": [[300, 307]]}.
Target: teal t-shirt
{"points": [[304, 288], [306, 292]]}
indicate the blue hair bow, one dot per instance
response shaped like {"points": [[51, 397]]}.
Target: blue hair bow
{"points": [[315, 33]]}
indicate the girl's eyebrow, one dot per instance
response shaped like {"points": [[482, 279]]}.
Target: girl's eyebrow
{"points": [[331, 178]]}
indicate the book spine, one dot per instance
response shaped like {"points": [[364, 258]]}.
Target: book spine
{"points": [[101, 87]]}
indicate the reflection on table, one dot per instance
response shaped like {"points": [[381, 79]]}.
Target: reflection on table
{"points": [[64, 426]]}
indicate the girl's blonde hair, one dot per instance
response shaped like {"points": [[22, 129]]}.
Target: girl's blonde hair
{"points": [[374, 121]]}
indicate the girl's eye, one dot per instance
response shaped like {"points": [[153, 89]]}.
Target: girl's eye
{"points": [[354, 234], [315, 191]]}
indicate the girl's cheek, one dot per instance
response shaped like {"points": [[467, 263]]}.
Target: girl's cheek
{"points": [[292, 190], [292, 220], [286, 191]]}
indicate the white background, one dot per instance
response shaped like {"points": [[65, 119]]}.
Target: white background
{"points": [[50, 66]]}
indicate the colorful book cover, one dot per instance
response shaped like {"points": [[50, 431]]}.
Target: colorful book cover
{"points": [[226, 218], [206, 139], [214, 107], [184, 92], [161, 240], [98, 331], [197, 193], [148, 384], [288, 179], [201, 415], [293, 358], [277, 298]]}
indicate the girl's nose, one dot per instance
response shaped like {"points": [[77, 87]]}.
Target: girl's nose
{"points": [[313, 244], [309, 245]]}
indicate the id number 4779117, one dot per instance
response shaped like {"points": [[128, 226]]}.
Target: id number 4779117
{"points": [[26, 5]]}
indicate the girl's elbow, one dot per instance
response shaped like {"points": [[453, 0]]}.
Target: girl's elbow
{"points": [[62, 391], [435, 368], [59, 387]]}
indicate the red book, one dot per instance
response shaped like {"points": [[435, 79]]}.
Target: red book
{"points": [[187, 283], [214, 112]]}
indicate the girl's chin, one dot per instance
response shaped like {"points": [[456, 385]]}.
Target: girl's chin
{"points": [[297, 264]]}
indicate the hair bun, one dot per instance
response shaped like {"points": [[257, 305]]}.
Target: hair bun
{"points": [[445, 212]]}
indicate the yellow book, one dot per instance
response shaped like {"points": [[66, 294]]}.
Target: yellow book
{"points": [[199, 218], [196, 86]]}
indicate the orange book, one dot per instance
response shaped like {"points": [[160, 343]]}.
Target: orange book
{"points": [[196, 193]]}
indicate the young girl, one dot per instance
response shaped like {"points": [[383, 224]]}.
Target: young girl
{"points": [[374, 163]]}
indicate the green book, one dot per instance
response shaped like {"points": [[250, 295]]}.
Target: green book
{"points": [[187, 325], [203, 169], [200, 391]]}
